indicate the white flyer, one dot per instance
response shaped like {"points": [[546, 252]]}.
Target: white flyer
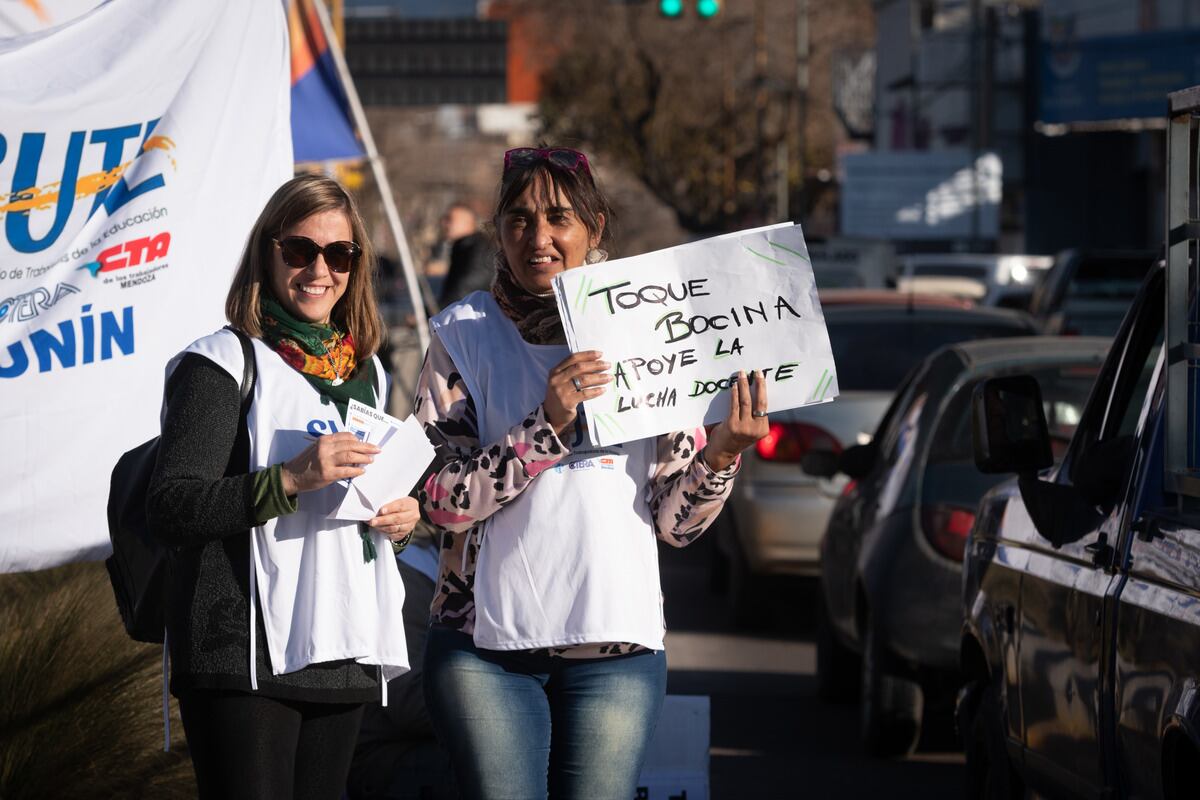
{"points": [[678, 324], [405, 454]]}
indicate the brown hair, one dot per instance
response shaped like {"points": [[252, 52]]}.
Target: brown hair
{"points": [[588, 202], [356, 312]]}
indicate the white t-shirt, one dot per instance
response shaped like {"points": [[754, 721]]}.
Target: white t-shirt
{"points": [[573, 559]]}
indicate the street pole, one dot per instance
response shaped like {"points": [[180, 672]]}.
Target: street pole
{"points": [[914, 40], [781, 181], [801, 94], [976, 111], [381, 179], [729, 178], [1030, 27], [760, 104]]}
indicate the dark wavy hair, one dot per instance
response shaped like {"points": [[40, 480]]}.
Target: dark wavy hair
{"points": [[588, 201]]}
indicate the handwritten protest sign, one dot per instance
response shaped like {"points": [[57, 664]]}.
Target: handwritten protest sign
{"points": [[677, 324]]}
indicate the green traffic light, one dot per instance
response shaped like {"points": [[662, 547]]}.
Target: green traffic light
{"points": [[707, 8], [670, 8]]}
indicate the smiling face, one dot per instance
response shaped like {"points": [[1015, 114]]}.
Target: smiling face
{"points": [[542, 235], [310, 293]]}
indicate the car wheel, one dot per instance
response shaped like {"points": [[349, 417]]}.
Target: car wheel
{"points": [[837, 665], [890, 707], [990, 775]]}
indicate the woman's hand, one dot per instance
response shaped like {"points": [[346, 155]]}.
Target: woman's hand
{"points": [[333, 457], [397, 519], [576, 378], [745, 425]]}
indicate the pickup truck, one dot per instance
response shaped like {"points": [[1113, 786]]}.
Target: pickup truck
{"points": [[1081, 591], [1081, 583]]}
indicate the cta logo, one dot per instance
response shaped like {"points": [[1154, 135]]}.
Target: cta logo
{"points": [[134, 253]]}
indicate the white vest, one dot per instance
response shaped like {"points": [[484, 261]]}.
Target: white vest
{"points": [[320, 600], [573, 559]]}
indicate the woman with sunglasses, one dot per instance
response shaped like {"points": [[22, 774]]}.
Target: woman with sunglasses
{"points": [[280, 620], [544, 667]]}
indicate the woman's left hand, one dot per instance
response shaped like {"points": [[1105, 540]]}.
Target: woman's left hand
{"points": [[745, 425], [397, 518]]}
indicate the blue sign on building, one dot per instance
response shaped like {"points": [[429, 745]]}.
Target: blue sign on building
{"points": [[1116, 77]]}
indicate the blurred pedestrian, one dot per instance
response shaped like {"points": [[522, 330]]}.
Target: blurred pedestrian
{"points": [[457, 221], [472, 267], [544, 668], [280, 621]]}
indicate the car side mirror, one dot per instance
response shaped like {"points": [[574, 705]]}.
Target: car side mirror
{"points": [[820, 463], [1009, 426], [858, 460]]}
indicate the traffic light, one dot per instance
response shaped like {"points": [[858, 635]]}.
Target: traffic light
{"points": [[670, 8], [673, 9]]}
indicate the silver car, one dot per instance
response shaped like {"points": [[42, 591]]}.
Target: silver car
{"points": [[775, 518], [991, 279]]}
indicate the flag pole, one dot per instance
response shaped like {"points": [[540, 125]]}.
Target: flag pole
{"points": [[381, 180]]}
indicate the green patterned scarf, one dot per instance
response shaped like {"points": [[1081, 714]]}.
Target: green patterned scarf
{"points": [[323, 354]]}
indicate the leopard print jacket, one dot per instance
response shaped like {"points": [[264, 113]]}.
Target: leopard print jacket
{"points": [[469, 481]]}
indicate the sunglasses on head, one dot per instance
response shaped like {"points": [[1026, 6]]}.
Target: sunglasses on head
{"points": [[565, 157], [299, 252]]}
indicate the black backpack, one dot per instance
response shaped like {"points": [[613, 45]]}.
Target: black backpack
{"points": [[138, 565]]}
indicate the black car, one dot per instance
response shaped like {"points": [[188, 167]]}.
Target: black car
{"points": [[776, 514], [891, 555]]}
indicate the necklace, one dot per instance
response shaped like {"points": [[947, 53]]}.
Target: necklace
{"points": [[337, 362]]}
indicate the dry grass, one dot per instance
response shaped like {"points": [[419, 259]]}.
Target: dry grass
{"points": [[80, 702]]}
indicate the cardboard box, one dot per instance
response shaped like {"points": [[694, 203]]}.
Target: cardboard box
{"points": [[676, 765]]}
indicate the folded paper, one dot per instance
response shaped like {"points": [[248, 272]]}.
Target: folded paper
{"points": [[404, 456]]}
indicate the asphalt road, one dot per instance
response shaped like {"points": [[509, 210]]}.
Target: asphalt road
{"points": [[770, 735]]}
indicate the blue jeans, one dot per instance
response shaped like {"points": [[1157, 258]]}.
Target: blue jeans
{"points": [[529, 727]]}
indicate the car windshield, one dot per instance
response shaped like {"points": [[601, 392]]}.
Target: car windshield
{"points": [[1108, 278], [1065, 390], [1093, 321], [875, 355]]}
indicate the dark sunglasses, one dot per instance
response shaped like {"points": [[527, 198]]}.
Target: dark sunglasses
{"points": [[299, 252], [565, 157]]}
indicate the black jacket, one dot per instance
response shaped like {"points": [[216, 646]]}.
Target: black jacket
{"points": [[200, 502], [472, 266]]}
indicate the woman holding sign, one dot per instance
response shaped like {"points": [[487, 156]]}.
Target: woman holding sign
{"points": [[544, 667], [280, 620]]}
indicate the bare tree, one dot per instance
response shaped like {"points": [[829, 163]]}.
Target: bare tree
{"points": [[688, 106]]}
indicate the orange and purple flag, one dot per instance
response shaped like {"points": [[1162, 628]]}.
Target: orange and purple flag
{"points": [[321, 123]]}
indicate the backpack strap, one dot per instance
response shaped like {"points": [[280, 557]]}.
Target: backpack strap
{"points": [[249, 368], [249, 377]]}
